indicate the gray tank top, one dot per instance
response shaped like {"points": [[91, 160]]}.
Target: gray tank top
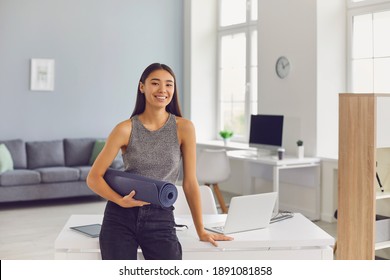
{"points": [[154, 154]]}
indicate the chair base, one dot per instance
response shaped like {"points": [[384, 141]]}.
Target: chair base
{"points": [[220, 198]]}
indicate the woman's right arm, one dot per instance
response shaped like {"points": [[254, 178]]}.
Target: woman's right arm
{"points": [[117, 140]]}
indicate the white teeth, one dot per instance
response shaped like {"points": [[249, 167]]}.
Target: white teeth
{"points": [[161, 97]]}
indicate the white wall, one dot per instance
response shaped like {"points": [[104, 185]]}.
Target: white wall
{"points": [[289, 28], [331, 72], [201, 62], [312, 34]]}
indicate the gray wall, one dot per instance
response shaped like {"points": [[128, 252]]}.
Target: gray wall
{"points": [[100, 49]]}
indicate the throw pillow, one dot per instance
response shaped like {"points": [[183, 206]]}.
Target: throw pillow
{"points": [[17, 148], [78, 151], [97, 148], [6, 162]]}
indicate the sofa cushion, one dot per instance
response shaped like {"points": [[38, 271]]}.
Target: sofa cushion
{"points": [[17, 149], [45, 154], [19, 177], [84, 170], [6, 162], [117, 163], [58, 174], [78, 151]]}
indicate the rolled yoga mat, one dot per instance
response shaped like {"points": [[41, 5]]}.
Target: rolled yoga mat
{"points": [[146, 189]]}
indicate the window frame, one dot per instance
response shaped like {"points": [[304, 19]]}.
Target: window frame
{"points": [[364, 3], [356, 9], [247, 28]]}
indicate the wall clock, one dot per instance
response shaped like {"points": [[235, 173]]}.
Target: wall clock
{"points": [[282, 67]]}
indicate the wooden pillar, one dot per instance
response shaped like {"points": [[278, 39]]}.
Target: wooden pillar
{"points": [[356, 179]]}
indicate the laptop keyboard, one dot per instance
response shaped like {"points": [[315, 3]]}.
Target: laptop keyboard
{"points": [[219, 228], [283, 215]]}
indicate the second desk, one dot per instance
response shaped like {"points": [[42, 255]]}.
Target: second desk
{"points": [[255, 163]]}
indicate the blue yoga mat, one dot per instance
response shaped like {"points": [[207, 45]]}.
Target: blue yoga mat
{"points": [[146, 189]]}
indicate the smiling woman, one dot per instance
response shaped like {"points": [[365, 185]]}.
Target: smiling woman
{"points": [[158, 89], [154, 142], [167, 78]]}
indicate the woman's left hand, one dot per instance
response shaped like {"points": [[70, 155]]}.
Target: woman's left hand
{"points": [[213, 237]]}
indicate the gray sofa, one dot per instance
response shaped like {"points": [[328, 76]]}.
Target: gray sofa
{"points": [[48, 169]]}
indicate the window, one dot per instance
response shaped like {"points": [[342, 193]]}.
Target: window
{"points": [[369, 49], [237, 65], [364, 2]]}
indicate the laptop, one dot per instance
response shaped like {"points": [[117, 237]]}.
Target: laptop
{"points": [[248, 212]]}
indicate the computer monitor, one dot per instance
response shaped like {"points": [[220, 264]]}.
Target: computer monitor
{"points": [[266, 132]]}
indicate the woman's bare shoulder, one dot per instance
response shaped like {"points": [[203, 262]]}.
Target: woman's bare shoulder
{"points": [[124, 126], [184, 124], [122, 131], [185, 130]]}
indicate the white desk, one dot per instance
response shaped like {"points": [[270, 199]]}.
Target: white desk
{"points": [[255, 161], [296, 238]]}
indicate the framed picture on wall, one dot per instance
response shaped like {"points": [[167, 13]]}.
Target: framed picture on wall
{"points": [[42, 74]]}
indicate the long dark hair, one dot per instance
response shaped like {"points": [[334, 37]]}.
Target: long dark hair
{"points": [[173, 107]]}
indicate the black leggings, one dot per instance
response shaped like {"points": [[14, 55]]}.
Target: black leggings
{"points": [[150, 227]]}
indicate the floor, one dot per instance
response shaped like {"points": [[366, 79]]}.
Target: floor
{"points": [[28, 230]]}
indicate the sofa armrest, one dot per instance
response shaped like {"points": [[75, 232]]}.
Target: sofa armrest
{"points": [[117, 163]]}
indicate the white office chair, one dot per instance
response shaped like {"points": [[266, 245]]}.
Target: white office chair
{"points": [[213, 167], [207, 198]]}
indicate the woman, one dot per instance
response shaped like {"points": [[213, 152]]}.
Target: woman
{"points": [[152, 142]]}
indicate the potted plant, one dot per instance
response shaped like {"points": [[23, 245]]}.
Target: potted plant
{"points": [[300, 151], [226, 135]]}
